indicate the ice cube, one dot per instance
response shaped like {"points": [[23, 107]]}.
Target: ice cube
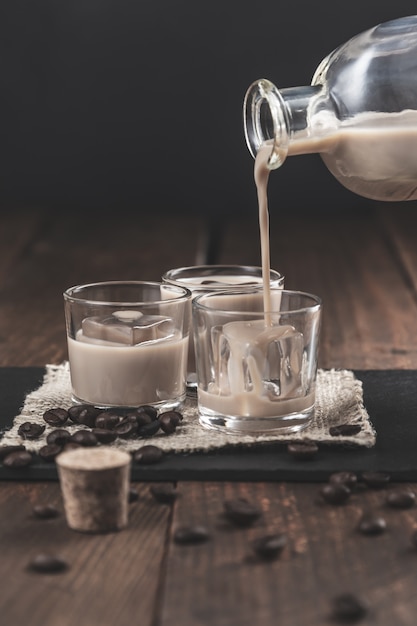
{"points": [[127, 327], [285, 359], [264, 359]]}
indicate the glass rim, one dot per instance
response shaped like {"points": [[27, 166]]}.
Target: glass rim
{"points": [[316, 302], [69, 294], [168, 275]]}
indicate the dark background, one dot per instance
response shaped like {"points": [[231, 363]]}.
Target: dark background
{"points": [[137, 104]]}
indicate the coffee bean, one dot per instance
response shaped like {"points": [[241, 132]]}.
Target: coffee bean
{"points": [[164, 493], [349, 479], [189, 535], [241, 512], [31, 430], [45, 511], [372, 525], [5, 450], [167, 424], [84, 438], [50, 452], [401, 499], [143, 418], [335, 493], [126, 429], [347, 608], [59, 437], [175, 416], [104, 435], [346, 430], [148, 409], [148, 430], [48, 564], [148, 455], [303, 450], [56, 417], [18, 459], [269, 547], [84, 414], [375, 480], [107, 420]]}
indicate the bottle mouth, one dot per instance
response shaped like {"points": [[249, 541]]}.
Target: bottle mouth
{"points": [[265, 121]]}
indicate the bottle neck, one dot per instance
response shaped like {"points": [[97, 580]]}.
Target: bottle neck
{"points": [[281, 118]]}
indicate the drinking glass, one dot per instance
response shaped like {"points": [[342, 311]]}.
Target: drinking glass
{"points": [[127, 343], [256, 368]]}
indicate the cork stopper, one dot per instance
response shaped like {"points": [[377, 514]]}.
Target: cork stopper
{"points": [[95, 487]]}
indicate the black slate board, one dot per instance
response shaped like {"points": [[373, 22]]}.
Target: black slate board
{"points": [[390, 397]]}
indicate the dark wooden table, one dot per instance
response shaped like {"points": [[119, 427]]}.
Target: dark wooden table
{"points": [[365, 269]]}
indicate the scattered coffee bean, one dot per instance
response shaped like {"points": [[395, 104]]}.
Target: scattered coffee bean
{"points": [[269, 546], [189, 535], [126, 429], [31, 430], [107, 420], [148, 455], [347, 607], [84, 438], [372, 525], [45, 511], [375, 480], [48, 564], [133, 495], [148, 409], [346, 430], [303, 450], [84, 414], [175, 416], [5, 450], [59, 437], [50, 451], [142, 419], [164, 493], [56, 417], [167, 424], [401, 499], [241, 512], [22, 458], [349, 479], [104, 435], [335, 493], [148, 430]]}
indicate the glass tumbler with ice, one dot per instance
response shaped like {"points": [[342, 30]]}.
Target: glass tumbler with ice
{"points": [[127, 343], [256, 368]]}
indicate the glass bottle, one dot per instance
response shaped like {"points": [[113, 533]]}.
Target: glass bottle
{"points": [[359, 113]]}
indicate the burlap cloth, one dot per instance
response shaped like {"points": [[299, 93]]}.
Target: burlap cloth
{"points": [[339, 400]]}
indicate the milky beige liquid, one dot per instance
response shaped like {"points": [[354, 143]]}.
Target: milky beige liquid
{"points": [[110, 374], [372, 154]]}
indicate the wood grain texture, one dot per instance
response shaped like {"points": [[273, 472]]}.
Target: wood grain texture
{"points": [[111, 579], [222, 584]]}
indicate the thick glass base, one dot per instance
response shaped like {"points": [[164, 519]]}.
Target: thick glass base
{"points": [[164, 405], [239, 425]]}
